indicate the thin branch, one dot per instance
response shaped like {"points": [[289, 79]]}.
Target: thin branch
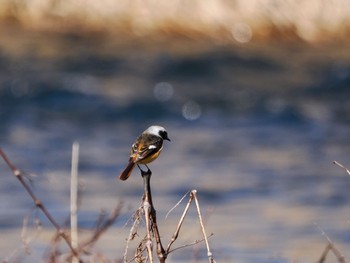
{"points": [[191, 244], [132, 232], [210, 255], [74, 198], [149, 244], [325, 253], [342, 166], [52, 250], [340, 257], [140, 249], [26, 239], [177, 231], [101, 218], [152, 229], [99, 231], [176, 205], [147, 206], [38, 202]]}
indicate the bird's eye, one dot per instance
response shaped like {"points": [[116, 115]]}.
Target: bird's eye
{"points": [[164, 135]]}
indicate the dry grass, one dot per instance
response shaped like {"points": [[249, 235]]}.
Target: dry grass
{"points": [[144, 251], [83, 251], [221, 20]]}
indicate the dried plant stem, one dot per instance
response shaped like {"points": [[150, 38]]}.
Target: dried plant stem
{"points": [[147, 209], [324, 254], [340, 257], [336, 252], [37, 202], [177, 231], [102, 228], [151, 219], [149, 244], [342, 166], [74, 198], [132, 233], [330, 247], [176, 205], [210, 255], [190, 244], [193, 195]]}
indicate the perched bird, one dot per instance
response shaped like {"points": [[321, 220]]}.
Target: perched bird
{"points": [[145, 149]]}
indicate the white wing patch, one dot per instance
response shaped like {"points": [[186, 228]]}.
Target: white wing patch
{"points": [[151, 147]]}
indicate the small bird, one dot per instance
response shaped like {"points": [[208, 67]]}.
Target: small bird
{"points": [[145, 149]]}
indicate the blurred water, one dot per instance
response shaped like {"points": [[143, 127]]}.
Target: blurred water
{"points": [[254, 129]]}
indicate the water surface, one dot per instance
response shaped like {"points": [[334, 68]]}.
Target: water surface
{"points": [[254, 129]]}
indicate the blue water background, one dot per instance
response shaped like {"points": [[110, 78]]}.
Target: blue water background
{"points": [[254, 129]]}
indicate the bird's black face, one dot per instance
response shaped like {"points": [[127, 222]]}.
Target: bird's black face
{"points": [[164, 135]]}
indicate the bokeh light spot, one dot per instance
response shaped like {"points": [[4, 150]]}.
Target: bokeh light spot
{"points": [[242, 32], [163, 91], [191, 110]]}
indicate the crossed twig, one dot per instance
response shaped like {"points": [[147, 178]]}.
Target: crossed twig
{"points": [[60, 231], [147, 209]]}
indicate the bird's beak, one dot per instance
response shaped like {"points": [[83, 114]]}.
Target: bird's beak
{"points": [[167, 138]]}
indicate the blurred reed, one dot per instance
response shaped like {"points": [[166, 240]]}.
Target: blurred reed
{"points": [[220, 20]]}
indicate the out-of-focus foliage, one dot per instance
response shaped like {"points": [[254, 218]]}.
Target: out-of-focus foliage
{"points": [[221, 20]]}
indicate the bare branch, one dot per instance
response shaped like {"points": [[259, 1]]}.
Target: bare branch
{"points": [[148, 207], [74, 199], [340, 257], [149, 244], [342, 166], [139, 251], [100, 230], [133, 232], [17, 173], [210, 255], [325, 253], [191, 244], [149, 212], [177, 231], [176, 205], [26, 239]]}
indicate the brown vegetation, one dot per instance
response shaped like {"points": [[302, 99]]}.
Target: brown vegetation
{"points": [[144, 250], [221, 20]]}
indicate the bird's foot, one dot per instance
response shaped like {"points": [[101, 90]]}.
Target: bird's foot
{"points": [[143, 172]]}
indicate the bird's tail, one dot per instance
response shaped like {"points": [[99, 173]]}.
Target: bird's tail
{"points": [[127, 171]]}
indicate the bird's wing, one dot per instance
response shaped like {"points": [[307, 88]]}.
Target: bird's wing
{"points": [[145, 146]]}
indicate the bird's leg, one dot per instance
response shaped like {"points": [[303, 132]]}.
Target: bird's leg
{"points": [[148, 172]]}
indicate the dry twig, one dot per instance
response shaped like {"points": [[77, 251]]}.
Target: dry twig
{"points": [[151, 219], [102, 225], [132, 233], [102, 228], [17, 173], [342, 166], [209, 254], [74, 199], [147, 209], [330, 247], [177, 231]]}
